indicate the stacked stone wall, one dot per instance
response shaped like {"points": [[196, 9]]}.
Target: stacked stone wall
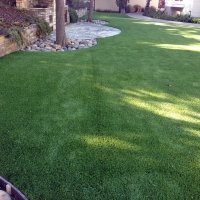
{"points": [[44, 13], [9, 45]]}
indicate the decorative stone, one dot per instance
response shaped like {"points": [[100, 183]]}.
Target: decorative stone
{"points": [[4, 195], [48, 48], [43, 50], [42, 45], [28, 48], [57, 47], [82, 42]]}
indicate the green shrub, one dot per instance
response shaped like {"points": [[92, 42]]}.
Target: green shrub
{"points": [[43, 26], [128, 8], [73, 15], [137, 8], [162, 15], [17, 34], [196, 20]]}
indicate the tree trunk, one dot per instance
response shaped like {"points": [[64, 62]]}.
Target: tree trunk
{"points": [[123, 10], [120, 9], [61, 37], [147, 5], [90, 15]]}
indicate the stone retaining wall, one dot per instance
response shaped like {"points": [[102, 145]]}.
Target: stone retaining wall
{"points": [[81, 12], [9, 45]]}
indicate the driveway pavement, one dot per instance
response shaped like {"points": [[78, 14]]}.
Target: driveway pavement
{"points": [[140, 16]]}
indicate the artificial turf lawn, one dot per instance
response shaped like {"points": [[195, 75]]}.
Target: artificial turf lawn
{"points": [[103, 123]]}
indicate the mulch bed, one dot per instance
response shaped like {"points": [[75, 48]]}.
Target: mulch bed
{"points": [[12, 17]]}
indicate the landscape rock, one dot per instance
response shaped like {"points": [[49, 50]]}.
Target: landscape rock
{"points": [[74, 42], [4, 195], [57, 47]]}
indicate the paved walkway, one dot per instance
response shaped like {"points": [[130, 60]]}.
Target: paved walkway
{"points": [[140, 16], [88, 30]]}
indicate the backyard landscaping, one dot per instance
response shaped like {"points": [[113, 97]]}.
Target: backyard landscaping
{"points": [[120, 120]]}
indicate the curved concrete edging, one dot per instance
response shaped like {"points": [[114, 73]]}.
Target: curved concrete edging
{"points": [[14, 191], [140, 16]]}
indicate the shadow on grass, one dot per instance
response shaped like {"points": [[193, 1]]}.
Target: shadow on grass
{"points": [[91, 138]]}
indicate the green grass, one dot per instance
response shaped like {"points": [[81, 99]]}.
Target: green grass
{"points": [[102, 123]]}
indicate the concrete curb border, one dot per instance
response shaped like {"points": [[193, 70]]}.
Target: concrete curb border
{"points": [[13, 190]]}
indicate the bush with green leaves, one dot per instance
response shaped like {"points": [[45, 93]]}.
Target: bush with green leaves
{"points": [[17, 34], [43, 27], [73, 15], [162, 15], [128, 8]]}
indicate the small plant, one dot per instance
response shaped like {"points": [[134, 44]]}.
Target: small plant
{"points": [[6, 7], [73, 15], [136, 8], [153, 8], [128, 8], [15, 23], [43, 29], [17, 34], [43, 26]]}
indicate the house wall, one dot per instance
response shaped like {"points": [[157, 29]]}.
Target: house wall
{"points": [[195, 11], [106, 5], [189, 6], [142, 3], [111, 5]]}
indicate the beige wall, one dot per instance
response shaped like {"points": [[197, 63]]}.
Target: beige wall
{"points": [[111, 5], [106, 5], [195, 8], [142, 3]]}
